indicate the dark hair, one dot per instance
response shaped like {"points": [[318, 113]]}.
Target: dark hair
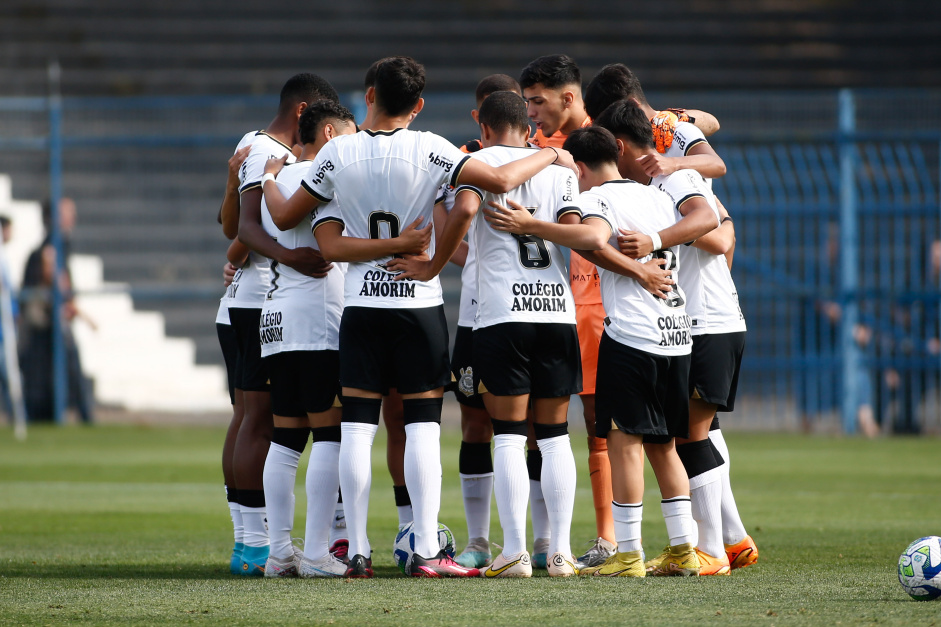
{"points": [[317, 115], [614, 82], [504, 110], [371, 73], [5, 221], [594, 146], [495, 83], [552, 71], [625, 120], [306, 87], [400, 82]]}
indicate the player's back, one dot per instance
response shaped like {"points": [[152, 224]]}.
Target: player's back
{"points": [[636, 317], [524, 278]]}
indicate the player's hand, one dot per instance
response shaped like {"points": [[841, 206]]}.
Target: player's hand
{"points": [[515, 219], [655, 279], [273, 166], [308, 262], [235, 162], [655, 164], [415, 267], [228, 274], [565, 160], [414, 240], [633, 244]]}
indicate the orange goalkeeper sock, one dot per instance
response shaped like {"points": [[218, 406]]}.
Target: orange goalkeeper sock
{"points": [[599, 469]]}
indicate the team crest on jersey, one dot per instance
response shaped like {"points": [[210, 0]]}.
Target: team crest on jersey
{"points": [[466, 382]]}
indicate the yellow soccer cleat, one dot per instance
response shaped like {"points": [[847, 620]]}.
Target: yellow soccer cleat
{"points": [[681, 561], [742, 554], [709, 565], [652, 564], [629, 564]]}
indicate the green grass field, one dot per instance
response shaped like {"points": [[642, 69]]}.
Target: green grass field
{"points": [[128, 525]]}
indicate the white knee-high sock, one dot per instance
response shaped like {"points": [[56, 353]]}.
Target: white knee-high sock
{"points": [[705, 491], [423, 478], [541, 527], [235, 512], [678, 515], [256, 532], [338, 524], [558, 489], [279, 476], [733, 529], [477, 490], [627, 523], [511, 487], [323, 485], [355, 481]]}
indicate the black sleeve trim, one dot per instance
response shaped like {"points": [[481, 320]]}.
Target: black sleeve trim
{"points": [[248, 186], [695, 142], [310, 190], [468, 188], [688, 197], [564, 210], [599, 217], [316, 225], [457, 170]]}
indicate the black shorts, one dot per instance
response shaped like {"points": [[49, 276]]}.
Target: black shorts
{"points": [[642, 393], [406, 349], [251, 374], [537, 358], [714, 368], [230, 350], [303, 382], [465, 379]]}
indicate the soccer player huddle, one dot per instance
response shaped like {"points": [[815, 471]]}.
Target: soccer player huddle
{"points": [[333, 316]]}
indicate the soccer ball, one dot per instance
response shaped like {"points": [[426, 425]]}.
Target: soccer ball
{"points": [[920, 569], [404, 547]]}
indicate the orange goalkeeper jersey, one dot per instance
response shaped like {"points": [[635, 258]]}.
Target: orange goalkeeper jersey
{"points": [[555, 140]]}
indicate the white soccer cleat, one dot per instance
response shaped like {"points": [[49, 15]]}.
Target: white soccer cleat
{"points": [[327, 566], [560, 565], [517, 566], [282, 568]]}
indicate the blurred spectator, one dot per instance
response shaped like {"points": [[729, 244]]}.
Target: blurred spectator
{"points": [[36, 325], [6, 231]]}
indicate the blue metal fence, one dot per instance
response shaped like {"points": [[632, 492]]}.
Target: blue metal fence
{"points": [[835, 198]]}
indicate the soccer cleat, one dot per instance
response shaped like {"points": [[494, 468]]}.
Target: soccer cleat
{"points": [[327, 566], [517, 566], [359, 568], [340, 550], [476, 554], [742, 554], [680, 561], [629, 564], [598, 554], [651, 564], [562, 566], [540, 552], [441, 565], [235, 562], [253, 560], [276, 567], [709, 565]]}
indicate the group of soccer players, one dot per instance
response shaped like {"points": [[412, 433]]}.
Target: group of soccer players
{"points": [[333, 315]]}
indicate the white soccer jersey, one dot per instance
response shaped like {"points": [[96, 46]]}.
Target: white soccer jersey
{"points": [[222, 314], [635, 317], [250, 284], [685, 137], [711, 298], [524, 278], [300, 313], [383, 181], [467, 310]]}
